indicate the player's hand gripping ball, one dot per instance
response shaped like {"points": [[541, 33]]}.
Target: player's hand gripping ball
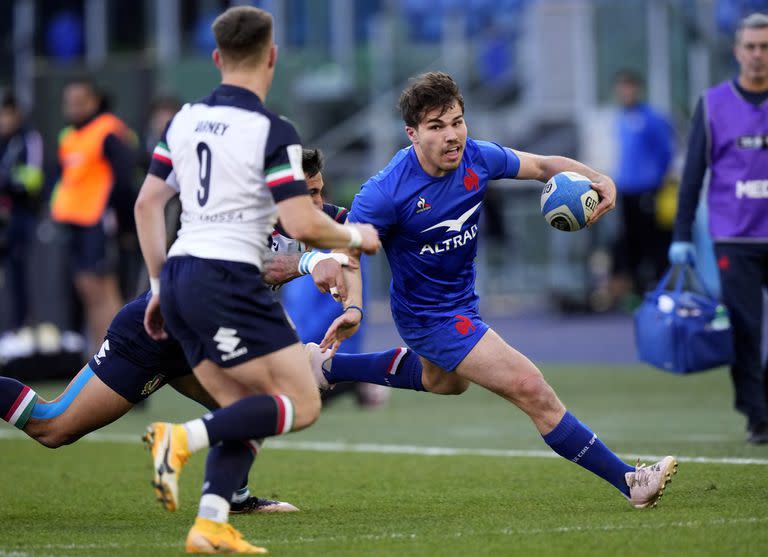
{"points": [[568, 201]]}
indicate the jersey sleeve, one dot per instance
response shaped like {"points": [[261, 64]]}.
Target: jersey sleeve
{"points": [[161, 164], [339, 214], [501, 162], [372, 206], [282, 162]]}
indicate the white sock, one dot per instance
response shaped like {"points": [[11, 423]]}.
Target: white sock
{"points": [[197, 435], [214, 507], [241, 495]]}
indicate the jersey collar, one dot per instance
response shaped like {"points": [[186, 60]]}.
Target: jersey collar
{"points": [[232, 95]]}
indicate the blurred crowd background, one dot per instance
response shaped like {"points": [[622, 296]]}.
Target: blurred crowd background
{"points": [[571, 77]]}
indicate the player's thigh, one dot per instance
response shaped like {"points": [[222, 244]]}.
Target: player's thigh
{"points": [[190, 387], [86, 405], [283, 372], [498, 367]]}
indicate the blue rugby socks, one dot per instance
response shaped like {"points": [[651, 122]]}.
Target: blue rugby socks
{"points": [[16, 402], [253, 417], [224, 469], [399, 368], [573, 440]]}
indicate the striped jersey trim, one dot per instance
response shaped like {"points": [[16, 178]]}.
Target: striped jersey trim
{"points": [[162, 153], [20, 410], [342, 211], [280, 175], [284, 414]]}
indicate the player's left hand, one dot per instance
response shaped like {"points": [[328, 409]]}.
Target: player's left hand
{"points": [[343, 327], [153, 320], [606, 190], [328, 275]]}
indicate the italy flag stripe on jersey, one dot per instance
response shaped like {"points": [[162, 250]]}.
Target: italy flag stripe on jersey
{"points": [[279, 175], [162, 153]]}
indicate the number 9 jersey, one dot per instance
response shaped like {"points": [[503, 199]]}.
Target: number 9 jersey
{"points": [[231, 161]]}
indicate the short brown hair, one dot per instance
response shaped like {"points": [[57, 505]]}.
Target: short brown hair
{"points": [[243, 33], [427, 92]]}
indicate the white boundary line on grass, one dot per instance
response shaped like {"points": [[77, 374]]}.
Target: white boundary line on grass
{"points": [[376, 448], [30, 549]]}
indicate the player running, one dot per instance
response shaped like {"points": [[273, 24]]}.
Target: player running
{"points": [[426, 206], [236, 167]]}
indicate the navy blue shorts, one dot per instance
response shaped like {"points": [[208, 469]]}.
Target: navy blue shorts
{"points": [[222, 311], [447, 340], [92, 250], [132, 364]]}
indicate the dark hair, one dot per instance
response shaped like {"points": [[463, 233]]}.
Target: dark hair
{"points": [[9, 102], [85, 81], [165, 102], [427, 92], [242, 33], [312, 162], [629, 76]]}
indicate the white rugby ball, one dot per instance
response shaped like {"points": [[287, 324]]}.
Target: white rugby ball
{"points": [[568, 201]]}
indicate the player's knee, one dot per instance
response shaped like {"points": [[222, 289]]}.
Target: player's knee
{"points": [[532, 389], [55, 439], [306, 410], [456, 386]]}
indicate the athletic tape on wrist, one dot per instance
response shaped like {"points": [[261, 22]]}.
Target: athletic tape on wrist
{"points": [[154, 285], [355, 238]]}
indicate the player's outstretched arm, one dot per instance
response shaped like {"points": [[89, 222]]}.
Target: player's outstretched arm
{"points": [[542, 168], [150, 225], [302, 221], [348, 322]]}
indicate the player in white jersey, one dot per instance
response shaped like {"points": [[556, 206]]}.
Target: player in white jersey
{"points": [[237, 166]]}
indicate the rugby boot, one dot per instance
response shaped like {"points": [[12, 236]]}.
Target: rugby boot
{"points": [[317, 360], [207, 536], [647, 483], [170, 451], [254, 505]]}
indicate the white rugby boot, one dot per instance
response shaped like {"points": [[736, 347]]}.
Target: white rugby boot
{"points": [[317, 360], [647, 483]]}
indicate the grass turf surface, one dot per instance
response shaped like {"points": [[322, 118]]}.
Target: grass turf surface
{"points": [[94, 498]]}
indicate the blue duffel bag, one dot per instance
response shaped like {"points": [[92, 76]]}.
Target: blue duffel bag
{"points": [[680, 327]]}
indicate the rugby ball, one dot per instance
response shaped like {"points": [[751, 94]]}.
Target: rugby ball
{"points": [[568, 201]]}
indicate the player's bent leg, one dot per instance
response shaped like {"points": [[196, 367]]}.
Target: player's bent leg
{"points": [[242, 500], [437, 381], [87, 404], [500, 368]]}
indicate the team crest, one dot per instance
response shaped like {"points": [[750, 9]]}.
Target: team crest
{"points": [[152, 385], [422, 205]]}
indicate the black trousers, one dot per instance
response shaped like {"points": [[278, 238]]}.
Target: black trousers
{"points": [[641, 249], [743, 276]]}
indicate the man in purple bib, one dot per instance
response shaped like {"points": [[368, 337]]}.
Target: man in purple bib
{"points": [[729, 136]]}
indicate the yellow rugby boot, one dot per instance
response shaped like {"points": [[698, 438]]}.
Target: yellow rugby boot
{"points": [[170, 451], [207, 536]]}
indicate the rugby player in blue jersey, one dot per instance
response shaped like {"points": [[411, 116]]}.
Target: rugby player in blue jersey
{"points": [[426, 206]]}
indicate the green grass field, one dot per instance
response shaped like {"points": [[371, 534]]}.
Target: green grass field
{"points": [[367, 486]]}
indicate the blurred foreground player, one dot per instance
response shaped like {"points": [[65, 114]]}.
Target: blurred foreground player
{"points": [[426, 205], [128, 368], [236, 166]]}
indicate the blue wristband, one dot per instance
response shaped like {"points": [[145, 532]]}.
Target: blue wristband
{"points": [[358, 308]]}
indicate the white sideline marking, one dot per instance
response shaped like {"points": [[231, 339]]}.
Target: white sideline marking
{"points": [[413, 536], [375, 448]]}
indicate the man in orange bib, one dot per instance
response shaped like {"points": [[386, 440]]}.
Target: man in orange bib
{"points": [[97, 166]]}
